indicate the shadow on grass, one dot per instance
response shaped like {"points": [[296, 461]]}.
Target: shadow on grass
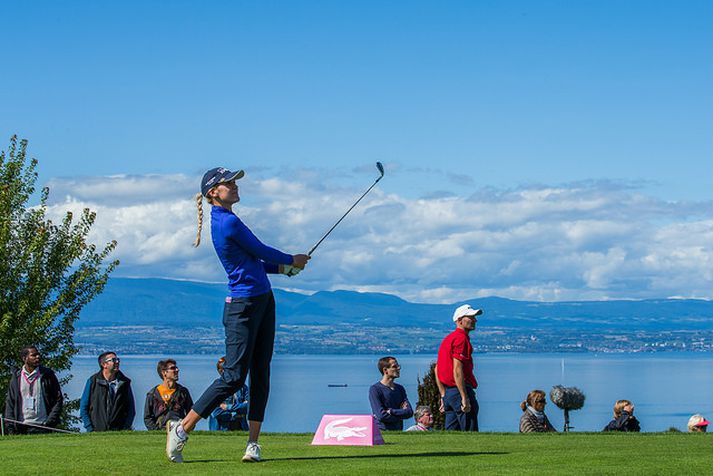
{"points": [[439, 454]]}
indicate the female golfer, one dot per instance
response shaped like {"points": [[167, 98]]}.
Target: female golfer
{"points": [[248, 316]]}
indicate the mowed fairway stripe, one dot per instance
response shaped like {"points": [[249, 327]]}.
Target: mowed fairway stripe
{"points": [[403, 453]]}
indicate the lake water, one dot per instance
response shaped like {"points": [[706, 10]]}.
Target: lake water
{"points": [[665, 388]]}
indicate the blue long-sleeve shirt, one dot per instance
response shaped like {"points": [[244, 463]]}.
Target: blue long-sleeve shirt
{"points": [[386, 406], [245, 258]]}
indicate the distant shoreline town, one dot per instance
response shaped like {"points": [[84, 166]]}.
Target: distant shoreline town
{"points": [[321, 339], [130, 317]]}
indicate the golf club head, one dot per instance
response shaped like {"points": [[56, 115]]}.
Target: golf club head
{"points": [[380, 166]]}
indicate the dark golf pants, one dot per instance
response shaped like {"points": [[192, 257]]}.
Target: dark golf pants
{"points": [[455, 418], [249, 341]]}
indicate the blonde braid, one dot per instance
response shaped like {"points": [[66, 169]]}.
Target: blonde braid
{"points": [[199, 204]]}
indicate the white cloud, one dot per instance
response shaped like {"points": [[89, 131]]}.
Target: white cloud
{"points": [[124, 189], [590, 240]]}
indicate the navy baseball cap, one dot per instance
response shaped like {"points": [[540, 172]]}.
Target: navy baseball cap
{"points": [[218, 175]]}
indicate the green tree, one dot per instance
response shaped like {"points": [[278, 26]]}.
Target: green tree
{"points": [[48, 273], [429, 395]]}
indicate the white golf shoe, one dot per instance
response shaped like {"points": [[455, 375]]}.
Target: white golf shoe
{"points": [[174, 443], [252, 453]]}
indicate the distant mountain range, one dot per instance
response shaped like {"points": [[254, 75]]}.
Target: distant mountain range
{"points": [[162, 302]]}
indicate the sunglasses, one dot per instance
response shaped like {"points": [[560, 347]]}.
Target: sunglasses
{"points": [[114, 359], [541, 401], [171, 368]]}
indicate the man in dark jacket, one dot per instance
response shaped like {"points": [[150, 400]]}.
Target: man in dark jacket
{"points": [[34, 396], [107, 402], [167, 401]]}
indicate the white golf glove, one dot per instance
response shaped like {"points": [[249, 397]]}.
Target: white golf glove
{"points": [[290, 270]]}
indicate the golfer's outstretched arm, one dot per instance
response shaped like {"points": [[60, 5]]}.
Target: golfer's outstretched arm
{"points": [[298, 261], [240, 233]]}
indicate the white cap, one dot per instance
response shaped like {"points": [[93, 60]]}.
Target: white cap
{"points": [[466, 310]]}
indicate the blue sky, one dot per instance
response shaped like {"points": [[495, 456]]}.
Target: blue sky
{"points": [[498, 108]]}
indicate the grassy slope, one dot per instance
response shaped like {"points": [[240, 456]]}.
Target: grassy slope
{"points": [[485, 453]]}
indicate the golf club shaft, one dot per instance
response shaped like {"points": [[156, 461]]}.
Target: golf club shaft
{"points": [[347, 213]]}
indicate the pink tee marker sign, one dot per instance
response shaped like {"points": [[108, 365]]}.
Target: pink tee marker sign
{"points": [[348, 430]]}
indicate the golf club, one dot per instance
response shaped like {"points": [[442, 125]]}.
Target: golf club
{"points": [[381, 175]]}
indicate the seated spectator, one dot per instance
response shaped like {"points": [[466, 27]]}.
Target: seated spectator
{"points": [[697, 424], [168, 400], [107, 402], [33, 396], [424, 419], [231, 415], [389, 403], [533, 419], [624, 419]]}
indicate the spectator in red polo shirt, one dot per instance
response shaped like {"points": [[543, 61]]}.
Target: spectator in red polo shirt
{"points": [[454, 372]]}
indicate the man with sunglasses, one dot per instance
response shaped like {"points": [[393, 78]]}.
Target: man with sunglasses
{"points": [[107, 401], [167, 401]]}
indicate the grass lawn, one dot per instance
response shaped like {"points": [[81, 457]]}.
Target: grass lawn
{"points": [[403, 453]]}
